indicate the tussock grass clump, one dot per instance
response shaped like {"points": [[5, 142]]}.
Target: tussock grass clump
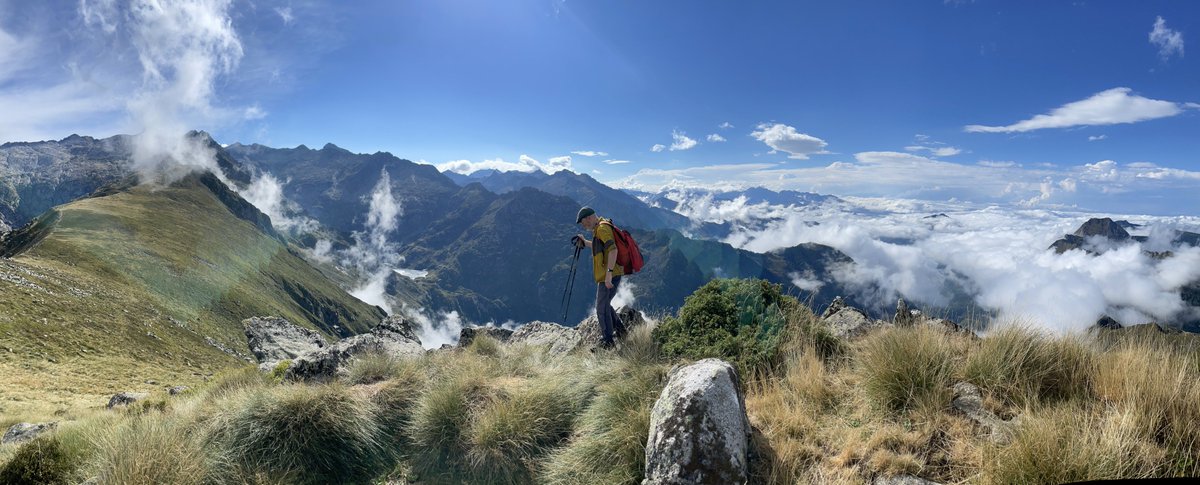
{"points": [[151, 448], [485, 345], [309, 433], [235, 381], [42, 460], [1024, 367], [908, 368], [1071, 443], [609, 444], [375, 367], [1162, 391]]}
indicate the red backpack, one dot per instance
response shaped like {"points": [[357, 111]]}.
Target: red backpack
{"points": [[629, 255]]}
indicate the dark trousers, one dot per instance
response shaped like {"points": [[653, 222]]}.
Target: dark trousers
{"points": [[605, 313]]}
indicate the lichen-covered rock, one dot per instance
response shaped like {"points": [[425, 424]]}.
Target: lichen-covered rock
{"points": [[902, 480], [273, 339], [969, 401], [393, 336], [849, 322], [699, 432], [556, 338], [125, 399], [468, 335], [629, 319], [177, 390], [22, 432]]}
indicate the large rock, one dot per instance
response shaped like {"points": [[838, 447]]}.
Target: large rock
{"points": [[848, 322], [902, 480], [628, 319], [969, 401], [273, 339], [699, 432], [125, 399], [22, 432], [556, 338], [394, 336], [469, 334]]}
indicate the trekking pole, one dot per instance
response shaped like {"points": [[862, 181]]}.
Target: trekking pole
{"points": [[569, 291]]}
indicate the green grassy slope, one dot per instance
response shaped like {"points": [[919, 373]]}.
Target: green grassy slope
{"points": [[147, 285]]}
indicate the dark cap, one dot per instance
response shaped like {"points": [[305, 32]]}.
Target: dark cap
{"points": [[584, 212]]}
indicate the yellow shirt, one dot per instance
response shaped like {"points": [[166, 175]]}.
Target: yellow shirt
{"points": [[602, 242]]}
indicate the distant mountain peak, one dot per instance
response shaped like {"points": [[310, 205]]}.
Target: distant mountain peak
{"points": [[1105, 227]]}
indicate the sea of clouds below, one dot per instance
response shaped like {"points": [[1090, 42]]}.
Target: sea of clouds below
{"points": [[999, 254]]}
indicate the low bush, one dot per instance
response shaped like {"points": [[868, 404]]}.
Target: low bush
{"points": [[42, 460], [735, 319]]}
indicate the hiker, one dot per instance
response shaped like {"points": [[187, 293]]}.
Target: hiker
{"points": [[605, 269]]}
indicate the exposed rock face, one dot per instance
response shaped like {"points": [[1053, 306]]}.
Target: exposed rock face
{"points": [[22, 432], [557, 338], [629, 319], [1103, 227], [904, 316], [1108, 322], [468, 335], [902, 480], [847, 321], [394, 336], [699, 432], [969, 401], [125, 399], [273, 339]]}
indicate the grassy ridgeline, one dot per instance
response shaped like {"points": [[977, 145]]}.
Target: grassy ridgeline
{"points": [[824, 411]]}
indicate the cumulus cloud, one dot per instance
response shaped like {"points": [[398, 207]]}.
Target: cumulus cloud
{"points": [[681, 141], [715, 138], [784, 138], [590, 153], [998, 257], [1169, 42], [725, 125], [1114, 106], [658, 147], [525, 164]]}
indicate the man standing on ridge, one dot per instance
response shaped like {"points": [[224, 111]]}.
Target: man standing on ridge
{"points": [[604, 268]]}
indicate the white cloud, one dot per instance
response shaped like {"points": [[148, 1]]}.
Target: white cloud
{"points": [[285, 14], [1169, 42], [784, 138], [1097, 137], [254, 112], [995, 164], [725, 125], [556, 164], [658, 147], [616, 162], [715, 138], [1114, 106], [590, 153], [681, 141], [998, 256], [526, 164], [935, 151], [266, 193]]}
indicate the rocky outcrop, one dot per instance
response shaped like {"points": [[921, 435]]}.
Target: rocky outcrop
{"points": [[969, 401], [394, 336], [469, 334], [902, 480], [177, 390], [273, 339], [1108, 322], [629, 319], [125, 399], [846, 321], [699, 432], [556, 338], [904, 316], [22, 432]]}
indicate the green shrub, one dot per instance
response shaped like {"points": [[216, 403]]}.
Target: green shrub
{"points": [[907, 368], [311, 433], [735, 319], [42, 460], [1024, 367]]}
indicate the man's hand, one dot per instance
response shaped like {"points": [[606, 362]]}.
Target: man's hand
{"points": [[608, 279], [577, 241]]}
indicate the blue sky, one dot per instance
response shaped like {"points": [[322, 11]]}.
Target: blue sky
{"points": [[1087, 104]]}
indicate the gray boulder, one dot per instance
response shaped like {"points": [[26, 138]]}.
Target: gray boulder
{"points": [[629, 319], [273, 339], [902, 480], [468, 335], [177, 390], [849, 322], [699, 432], [125, 399], [22, 432], [394, 336], [904, 316], [556, 338], [969, 401]]}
